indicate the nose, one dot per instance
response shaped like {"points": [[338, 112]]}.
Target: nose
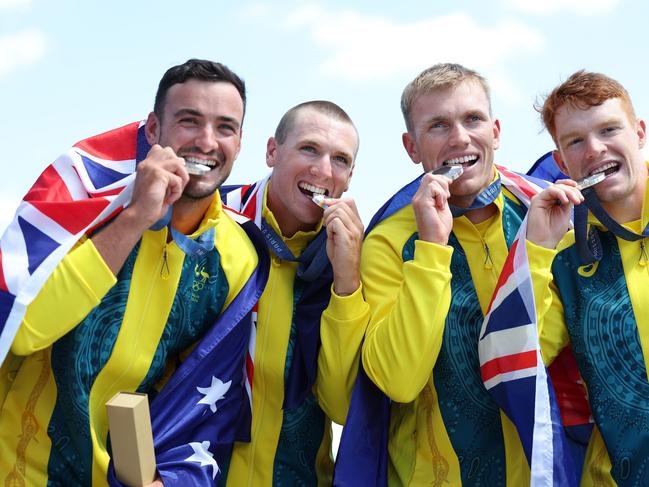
{"points": [[594, 147], [206, 139], [321, 166], [459, 136]]}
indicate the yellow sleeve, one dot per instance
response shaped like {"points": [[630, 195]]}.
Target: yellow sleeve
{"points": [[409, 303], [75, 287], [553, 334], [342, 327]]}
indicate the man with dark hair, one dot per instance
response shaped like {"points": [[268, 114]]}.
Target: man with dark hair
{"points": [[312, 315], [197, 69], [588, 283], [138, 288]]}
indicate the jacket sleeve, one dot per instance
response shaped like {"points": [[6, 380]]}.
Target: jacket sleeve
{"points": [[553, 334], [409, 303], [342, 327], [75, 287]]}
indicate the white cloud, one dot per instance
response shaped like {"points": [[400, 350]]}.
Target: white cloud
{"points": [[362, 48], [547, 7], [15, 3], [21, 49]]}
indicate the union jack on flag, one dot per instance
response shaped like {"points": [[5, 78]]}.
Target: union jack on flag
{"points": [[83, 188], [510, 359]]}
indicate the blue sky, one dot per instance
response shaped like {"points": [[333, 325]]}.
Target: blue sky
{"points": [[70, 69]]}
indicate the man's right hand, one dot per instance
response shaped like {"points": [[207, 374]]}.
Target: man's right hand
{"points": [[548, 218], [432, 213], [159, 181]]}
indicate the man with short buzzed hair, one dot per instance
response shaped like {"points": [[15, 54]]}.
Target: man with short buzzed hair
{"points": [[312, 315]]}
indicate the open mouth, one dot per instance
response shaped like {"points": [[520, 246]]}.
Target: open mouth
{"points": [[199, 166], [310, 190], [464, 161], [607, 169]]}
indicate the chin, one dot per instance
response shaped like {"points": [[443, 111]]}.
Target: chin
{"points": [[309, 220], [199, 193]]}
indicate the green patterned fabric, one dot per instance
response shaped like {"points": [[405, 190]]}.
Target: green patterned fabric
{"points": [[79, 356], [605, 341], [471, 417]]}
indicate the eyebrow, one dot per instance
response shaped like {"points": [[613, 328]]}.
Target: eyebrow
{"points": [[346, 154], [435, 118], [191, 111], [444, 118], [569, 136]]}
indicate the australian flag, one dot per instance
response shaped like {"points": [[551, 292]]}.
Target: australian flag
{"points": [[205, 406]]}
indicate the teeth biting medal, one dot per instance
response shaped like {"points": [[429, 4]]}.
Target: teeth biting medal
{"points": [[196, 169], [589, 181], [318, 199], [451, 172]]}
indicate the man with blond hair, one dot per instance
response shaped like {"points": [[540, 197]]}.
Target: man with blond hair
{"points": [[588, 282], [429, 268]]}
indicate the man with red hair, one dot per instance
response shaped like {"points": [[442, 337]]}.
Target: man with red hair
{"points": [[588, 282]]}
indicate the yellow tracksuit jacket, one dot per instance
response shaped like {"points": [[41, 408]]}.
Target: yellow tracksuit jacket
{"points": [[294, 447], [88, 335], [428, 302]]}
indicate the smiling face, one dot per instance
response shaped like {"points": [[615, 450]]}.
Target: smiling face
{"points": [[452, 126], [201, 122], [317, 157], [605, 138]]}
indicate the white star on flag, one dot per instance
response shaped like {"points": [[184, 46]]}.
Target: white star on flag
{"points": [[203, 456], [215, 392]]}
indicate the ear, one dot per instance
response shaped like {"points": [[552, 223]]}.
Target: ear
{"points": [[496, 129], [271, 152], [410, 145], [562, 165], [641, 130], [236, 152], [349, 177], [152, 129]]}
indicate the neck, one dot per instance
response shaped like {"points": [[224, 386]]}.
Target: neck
{"points": [[623, 213], [629, 209], [481, 214], [187, 214], [288, 225]]}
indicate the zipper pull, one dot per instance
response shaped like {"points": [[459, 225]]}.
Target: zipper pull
{"points": [[488, 263], [643, 254], [164, 269]]}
